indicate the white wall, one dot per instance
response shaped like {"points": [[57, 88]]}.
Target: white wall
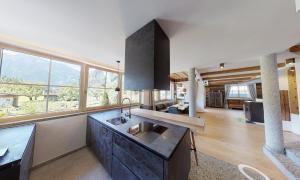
{"points": [[283, 79], [294, 124], [59, 136]]}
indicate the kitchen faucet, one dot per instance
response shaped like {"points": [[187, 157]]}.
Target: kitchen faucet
{"points": [[129, 113]]}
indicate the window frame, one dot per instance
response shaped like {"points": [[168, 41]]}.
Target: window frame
{"points": [[47, 86], [238, 92], [159, 94], [86, 87], [83, 83]]}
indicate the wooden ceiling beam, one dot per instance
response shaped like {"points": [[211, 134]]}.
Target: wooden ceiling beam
{"points": [[232, 76], [176, 75], [178, 79], [227, 82], [252, 68], [235, 79], [295, 48]]}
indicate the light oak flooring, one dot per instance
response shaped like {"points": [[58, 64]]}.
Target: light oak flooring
{"points": [[80, 165], [228, 138]]}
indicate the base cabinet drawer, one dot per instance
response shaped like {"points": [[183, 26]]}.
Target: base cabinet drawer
{"points": [[120, 171], [143, 163], [104, 146]]}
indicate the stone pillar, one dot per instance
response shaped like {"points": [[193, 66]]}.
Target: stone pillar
{"points": [[271, 100], [200, 93], [191, 93]]}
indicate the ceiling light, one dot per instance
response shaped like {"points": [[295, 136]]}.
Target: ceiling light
{"points": [[118, 88], [292, 69], [221, 65], [297, 5]]}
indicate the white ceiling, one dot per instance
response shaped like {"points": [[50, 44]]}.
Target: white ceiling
{"points": [[202, 32]]}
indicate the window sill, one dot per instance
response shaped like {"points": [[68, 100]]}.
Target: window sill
{"points": [[18, 120]]}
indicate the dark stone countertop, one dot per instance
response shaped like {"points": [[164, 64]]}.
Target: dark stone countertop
{"points": [[162, 145], [16, 140]]}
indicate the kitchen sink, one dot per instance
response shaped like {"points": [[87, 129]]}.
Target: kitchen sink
{"points": [[147, 131], [146, 127], [117, 121]]}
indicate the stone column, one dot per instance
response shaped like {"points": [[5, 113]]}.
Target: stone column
{"points": [[200, 93], [191, 93], [271, 100]]}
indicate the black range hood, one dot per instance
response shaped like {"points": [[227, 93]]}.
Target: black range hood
{"points": [[147, 59]]}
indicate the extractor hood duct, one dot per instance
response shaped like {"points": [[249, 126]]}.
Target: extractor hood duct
{"points": [[147, 59]]}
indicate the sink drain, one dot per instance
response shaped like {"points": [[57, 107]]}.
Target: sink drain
{"points": [[252, 173]]}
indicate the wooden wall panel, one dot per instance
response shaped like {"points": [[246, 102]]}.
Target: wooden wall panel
{"points": [[284, 104], [293, 96]]}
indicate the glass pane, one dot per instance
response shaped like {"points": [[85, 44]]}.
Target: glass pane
{"points": [[112, 80], [163, 95], [168, 95], [63, 99], [94, 97], [234, 91], [244, 92], [96, 78], [65, 74], [22, 68], [22, 99], [126, 94], [135, 98], [112, 97], [156, 95]]}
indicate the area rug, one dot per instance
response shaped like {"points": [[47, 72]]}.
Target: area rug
{"points": [[211, 168]]}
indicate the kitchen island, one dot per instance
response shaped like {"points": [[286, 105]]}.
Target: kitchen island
{"points": [[139, 147]]}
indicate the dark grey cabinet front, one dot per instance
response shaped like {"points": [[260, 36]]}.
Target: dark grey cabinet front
{"points": [[99, 138], [104, 146], [143, 163], [120, 171], [125, 159]]}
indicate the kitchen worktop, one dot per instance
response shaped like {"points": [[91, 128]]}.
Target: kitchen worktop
{"points": [[195, 124], [162, 145], [16, 140]]}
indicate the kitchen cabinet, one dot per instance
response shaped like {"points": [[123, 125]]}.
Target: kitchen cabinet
{"points": [[16, 163], [100, 141], [126, 156]]}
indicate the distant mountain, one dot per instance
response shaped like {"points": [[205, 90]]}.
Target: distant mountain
{"points": [[35, 70]]}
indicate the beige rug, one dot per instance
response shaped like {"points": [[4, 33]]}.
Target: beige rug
{"points": [[211, 168]]}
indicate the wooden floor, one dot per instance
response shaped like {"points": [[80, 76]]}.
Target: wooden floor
{"points": [[226, 137], [229, 138], [80, 165]]}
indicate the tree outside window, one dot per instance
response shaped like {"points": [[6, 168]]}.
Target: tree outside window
{"points": [[31, 84], [101, 88]]}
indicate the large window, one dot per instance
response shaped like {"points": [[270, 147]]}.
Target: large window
{"points": [[101, 88], [162, 95], [239, 91], [134, 96], [31, 84]]}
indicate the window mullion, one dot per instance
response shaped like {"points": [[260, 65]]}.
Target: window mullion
{"points": [[49, 79], [83, 87], [1, 56]]}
